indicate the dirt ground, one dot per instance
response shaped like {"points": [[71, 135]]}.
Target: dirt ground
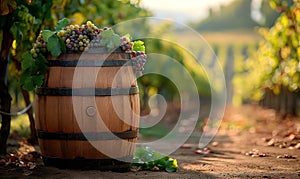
{"points": [[251, 143]]}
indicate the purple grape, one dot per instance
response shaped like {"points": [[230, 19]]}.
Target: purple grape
{"points": [[139, 59]]}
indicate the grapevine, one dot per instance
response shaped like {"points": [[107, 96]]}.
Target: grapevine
{"points": [[275, 66], [77, 39]]}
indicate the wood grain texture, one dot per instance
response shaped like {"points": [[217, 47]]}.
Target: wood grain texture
{"points": [[118, 113]]}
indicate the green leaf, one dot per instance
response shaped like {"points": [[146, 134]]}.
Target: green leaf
{"points": [[25, 74], [149, 150], [42, 59], [157, 156], [14, 30], [116, 40], [107, 33], [33, 71], [28, 84], [171, 165], [27, 61], [147, 158], [171, 169], [140, 153], [139, 46], [62, 24], [38, 80], [54, 45], [62, 45], [161, 162], [41, 65], [46, 34], [110, 40]]}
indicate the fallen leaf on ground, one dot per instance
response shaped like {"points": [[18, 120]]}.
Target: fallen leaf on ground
{"points": [[297, 146], [186, 146], [27, 172], [286, 156], [203, 151], [256, 153], [215, 144]]}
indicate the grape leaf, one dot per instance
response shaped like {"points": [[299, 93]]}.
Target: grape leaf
{"points": [[33, 71], [116, 40], [41, 65], [140, 153], [109, 39], [15, 30], [54, 45], [171, 165], [38, 80], [25, 74], [61, 24], [139, 46], [62, 45], [46, 34], [157, 156], [27, 61], [27, 84], [41, 59], [107, 33], [146, 158]]}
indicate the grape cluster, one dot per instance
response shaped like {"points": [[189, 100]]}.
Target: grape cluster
{"points": [[126, 45], [40, 46], [88, 36], [77, 38], [139, 60]]}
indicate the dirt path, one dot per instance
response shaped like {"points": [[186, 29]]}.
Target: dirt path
{"points": [[241, 151], [239, 156]]}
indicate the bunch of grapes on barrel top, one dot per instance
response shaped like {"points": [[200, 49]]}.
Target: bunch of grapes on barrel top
{"points": [[88, 36]]}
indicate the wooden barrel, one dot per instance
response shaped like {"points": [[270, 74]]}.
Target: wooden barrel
{"points": [[100, 130]]}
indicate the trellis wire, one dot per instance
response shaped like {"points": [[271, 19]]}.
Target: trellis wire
{"points": [[18, 113]]}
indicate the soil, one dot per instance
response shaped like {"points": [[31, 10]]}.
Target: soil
{"points": [[251, 143]]}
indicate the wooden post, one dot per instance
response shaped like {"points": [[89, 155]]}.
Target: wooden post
{"points": [[5, 98]]}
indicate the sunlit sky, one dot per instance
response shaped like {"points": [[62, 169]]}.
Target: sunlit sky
{"points": [[182, 11]]}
